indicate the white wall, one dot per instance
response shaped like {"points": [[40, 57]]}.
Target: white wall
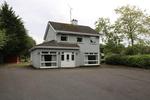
{"points": [[35, 58], [51, 35], [86, 46]]}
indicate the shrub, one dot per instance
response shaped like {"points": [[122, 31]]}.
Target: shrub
{"points": [[131, 50], [142, 61], [114, 59], [136, 49]]}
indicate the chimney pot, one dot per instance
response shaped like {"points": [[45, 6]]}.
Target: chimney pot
{"points": [[74, 22]]}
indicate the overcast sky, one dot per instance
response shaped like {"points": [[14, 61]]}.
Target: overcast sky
{"points": [[36, 13]]}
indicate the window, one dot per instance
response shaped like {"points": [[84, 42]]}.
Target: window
{"points": [[45, 52], [67, 56], [62, 57], [93, 40], [48, 59], [64, 38], [91, 58], [79, 39], [72, 57]]}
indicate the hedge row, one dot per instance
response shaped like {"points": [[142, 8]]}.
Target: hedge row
{"points": [[142, 61]]}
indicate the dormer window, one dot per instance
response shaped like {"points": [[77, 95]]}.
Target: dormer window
{"points": [[79, 39], [64, 38]]}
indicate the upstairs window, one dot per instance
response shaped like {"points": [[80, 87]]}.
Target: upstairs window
{"points": [[63, 38], [79, 39], [93, 40]]}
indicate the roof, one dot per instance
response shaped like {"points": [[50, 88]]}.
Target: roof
{"points": [[58, 44], [55, 44], [72, 28]]}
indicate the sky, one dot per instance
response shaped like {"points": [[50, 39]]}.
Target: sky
{"points": [[36, 13]]}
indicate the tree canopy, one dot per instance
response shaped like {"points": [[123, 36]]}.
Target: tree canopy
{"points": [[2, 39], [17, 38], [132, 26], [132, 22]]}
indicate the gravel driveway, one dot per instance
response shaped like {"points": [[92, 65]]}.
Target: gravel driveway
{"points": [[96, 83]]}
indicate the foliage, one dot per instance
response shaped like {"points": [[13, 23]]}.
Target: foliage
{"points": [[30, 43], [104, 26], [136, 49], [110, 37], [3, 39], [132, 22], [18, 39], [111, 48], [114, 59], [131, 26], [142, 61]]}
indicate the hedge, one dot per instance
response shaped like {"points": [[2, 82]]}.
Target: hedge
{"points": [[142, 61]]}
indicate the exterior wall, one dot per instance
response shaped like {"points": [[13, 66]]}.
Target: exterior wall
{"points": [[51, 35], [36, 56], [85, 46]]}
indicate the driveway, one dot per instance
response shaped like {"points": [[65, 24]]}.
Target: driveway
{"points": [[95, 83]]}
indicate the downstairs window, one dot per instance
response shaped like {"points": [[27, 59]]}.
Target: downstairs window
{"points": [[48, 59], [91, 58]]}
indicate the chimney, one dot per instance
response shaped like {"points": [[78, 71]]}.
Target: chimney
{"points": [[74, 22]]}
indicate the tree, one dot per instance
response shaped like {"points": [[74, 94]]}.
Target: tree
{"points": [[132, 22], [15, 31], [30, 43], [2, 39], [104, 26], [110, 36]]}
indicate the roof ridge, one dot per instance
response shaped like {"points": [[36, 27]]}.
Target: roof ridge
{"points": [[68, 24]]}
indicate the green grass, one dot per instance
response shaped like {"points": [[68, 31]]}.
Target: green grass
{"points": [[15, 65]]}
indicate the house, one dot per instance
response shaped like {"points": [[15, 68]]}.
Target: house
{"points": [[67, 45]]}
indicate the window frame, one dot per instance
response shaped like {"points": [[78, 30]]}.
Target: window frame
{"points": [[43, 63], [79, 41], [63, 36], [73, 56], [86, 59]]}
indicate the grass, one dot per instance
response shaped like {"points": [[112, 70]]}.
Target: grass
{"points": [[16, 65]]}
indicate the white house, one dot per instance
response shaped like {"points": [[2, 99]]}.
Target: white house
{"points": [[66, 45]]}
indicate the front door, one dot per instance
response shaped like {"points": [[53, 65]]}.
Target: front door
{"points": [[67, 59]]}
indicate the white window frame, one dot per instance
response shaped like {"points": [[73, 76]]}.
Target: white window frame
{"points": [[64, 36], [77, 39], [49, 53], [91, 53]]}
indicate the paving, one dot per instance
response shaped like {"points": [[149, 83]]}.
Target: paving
{"points": [[94, 83]]}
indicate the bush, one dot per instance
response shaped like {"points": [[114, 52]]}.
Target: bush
{"points": [[114, 59], [142, 61], [136, 49]]}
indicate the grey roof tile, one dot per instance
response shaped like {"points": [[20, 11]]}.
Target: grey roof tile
{"points": [[73, 28], [57, 44]]}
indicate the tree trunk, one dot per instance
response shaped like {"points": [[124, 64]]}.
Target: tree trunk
{"points": [[132, 40]]}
